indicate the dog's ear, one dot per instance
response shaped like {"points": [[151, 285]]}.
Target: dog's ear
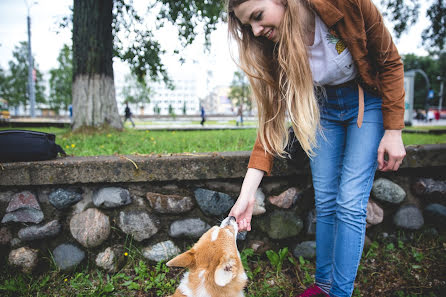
{"points": [[225, 272], [185, 259]]}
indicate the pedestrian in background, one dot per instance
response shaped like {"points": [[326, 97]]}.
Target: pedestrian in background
{"points": [[203, 116], [128, 114], [70, 111], [240, 115]]}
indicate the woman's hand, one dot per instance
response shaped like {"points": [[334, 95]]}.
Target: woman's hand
{"points": [[243, 207], [242, 211], [392, 145]]}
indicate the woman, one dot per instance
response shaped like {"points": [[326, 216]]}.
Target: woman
{"points": [[331, 68]]}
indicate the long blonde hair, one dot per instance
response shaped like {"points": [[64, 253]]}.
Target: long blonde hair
{"points": [[281, 80]]}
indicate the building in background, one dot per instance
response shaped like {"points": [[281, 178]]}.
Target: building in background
{"points": [[184, 99], [218, 102]]}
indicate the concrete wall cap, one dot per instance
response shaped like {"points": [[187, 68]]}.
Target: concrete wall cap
{"points": [[165, 167]]}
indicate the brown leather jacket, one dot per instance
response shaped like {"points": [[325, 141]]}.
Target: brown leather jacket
{"points": [[360, 25]]}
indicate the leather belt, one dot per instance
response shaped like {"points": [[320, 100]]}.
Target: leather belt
{"points": [[360, 98], [360, 106]]}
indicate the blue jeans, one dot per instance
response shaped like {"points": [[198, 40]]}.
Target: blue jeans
{"points": [[343, 171]]}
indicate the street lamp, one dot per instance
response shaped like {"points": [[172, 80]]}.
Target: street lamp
{"points": [[440, 103], [31, 87], [411, 73]]}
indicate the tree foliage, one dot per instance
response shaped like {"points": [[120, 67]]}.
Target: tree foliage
{"points": [[405, 13], [434, 36], [136, 45], [135, 91], [142, 51], [156, 109], [15, 86], [61, 79], [188, 14], [240, 91], [2, 82]]}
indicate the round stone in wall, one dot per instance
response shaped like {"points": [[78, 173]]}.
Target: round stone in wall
{"points": [[68, 256], [23, 208], [61, 198], [162, 251], [242, 235], [388, 191], [138, 223], [409, 217], [15, 242], [25, 215], [259, 206], [169, 203], [111, 197], [213, 203], [189, 228], [5, 236], [112, 259], [375, 214], [306, 249], [25, 258], [39, 232], [281, 224], [286, 199], [22, 200], [90, 227], [311, 222], [436, 214]]}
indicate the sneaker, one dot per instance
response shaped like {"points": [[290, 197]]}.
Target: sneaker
{"points": [[313, 291]]}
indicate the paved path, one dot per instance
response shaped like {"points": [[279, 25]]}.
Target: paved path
{"points": [[441, 122], [191, 127], [178, 125]]}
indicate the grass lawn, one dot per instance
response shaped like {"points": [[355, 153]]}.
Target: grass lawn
{"points": [[130, 141], [401, 265]]}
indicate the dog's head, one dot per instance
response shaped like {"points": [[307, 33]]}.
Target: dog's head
{"points": [[215, 257]]}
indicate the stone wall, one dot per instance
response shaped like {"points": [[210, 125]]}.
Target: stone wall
{"points": [[76, 209]]}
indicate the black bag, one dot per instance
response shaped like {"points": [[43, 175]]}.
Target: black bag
{"points": [[23, 145], [296, 155]]}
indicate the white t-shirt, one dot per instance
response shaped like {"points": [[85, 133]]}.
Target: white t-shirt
{"points": [[330, 61]]}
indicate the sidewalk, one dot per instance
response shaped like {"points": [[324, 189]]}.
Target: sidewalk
{"points": [[179, 124], [192, 127], [440, 122]]}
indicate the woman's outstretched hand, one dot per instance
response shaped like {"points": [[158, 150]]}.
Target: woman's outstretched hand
{"points": [[392, 145], [243, 207], [242, 211]]}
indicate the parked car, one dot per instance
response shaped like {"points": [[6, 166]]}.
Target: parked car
{"points": [[4, 111]]}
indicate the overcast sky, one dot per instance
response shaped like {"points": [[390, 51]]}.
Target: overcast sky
{"points": [[46, 43]]}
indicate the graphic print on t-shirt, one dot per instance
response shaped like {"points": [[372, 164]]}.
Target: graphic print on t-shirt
{"points": [[340, 45], [330, 60]]}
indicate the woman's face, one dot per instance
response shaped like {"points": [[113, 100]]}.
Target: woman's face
{"points": [[263, 16]]}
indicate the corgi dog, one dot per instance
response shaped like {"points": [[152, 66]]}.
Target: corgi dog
{"points": [[215, 267]]}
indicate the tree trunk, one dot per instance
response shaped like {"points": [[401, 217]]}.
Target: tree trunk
{"points": [[94, 99]]}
